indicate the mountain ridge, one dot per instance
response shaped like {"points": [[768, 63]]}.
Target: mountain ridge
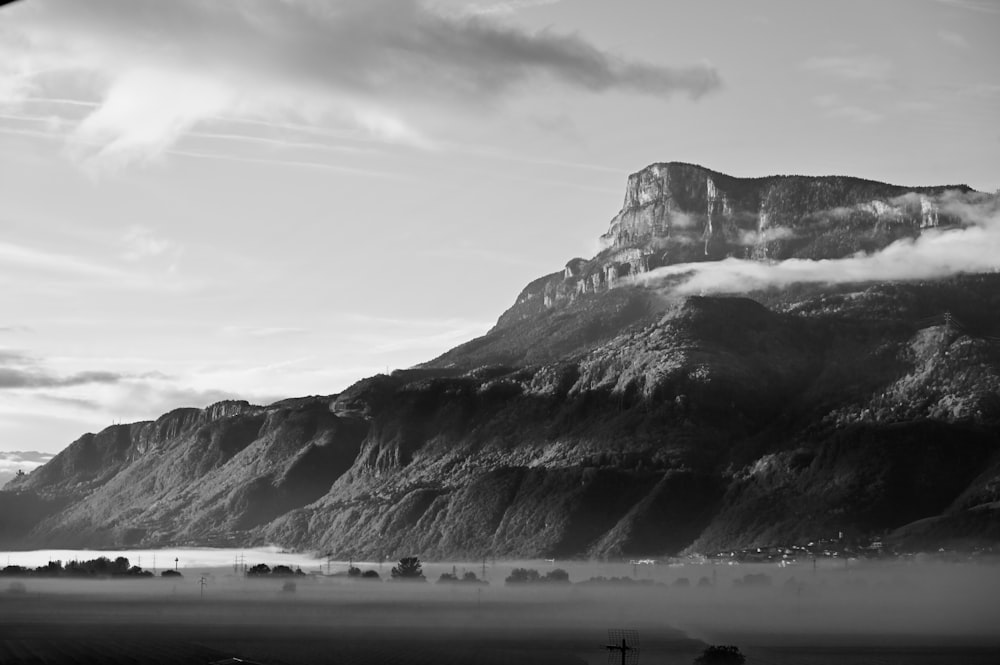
{"points": [[607, 419]]}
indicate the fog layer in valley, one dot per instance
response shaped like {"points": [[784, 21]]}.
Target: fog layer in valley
{"points": [[923, 610]]}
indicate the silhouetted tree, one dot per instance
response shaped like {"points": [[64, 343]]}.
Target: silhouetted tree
{"points": [[558, 575], [170, 573], [370, 575], [260, 569], [282, 571], [522, 576], [720, 655], [51, 568], [408, 568]]}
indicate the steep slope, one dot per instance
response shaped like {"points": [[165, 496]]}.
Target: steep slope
{"points": [[682, 213], [606, 421]]}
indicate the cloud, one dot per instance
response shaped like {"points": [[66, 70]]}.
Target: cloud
{"points": [[19, 370], [26, 461], [953, 39], [159, 68], [150, 399], [870, 68], [32, 268], [30, 378], [981, 6], [508, 7], [263, 331], [834, 107], [38, 260], [140, 243], [973, 248]]}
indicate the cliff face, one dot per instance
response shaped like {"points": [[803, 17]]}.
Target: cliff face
{"points": [[682, 213], [604, 421]]}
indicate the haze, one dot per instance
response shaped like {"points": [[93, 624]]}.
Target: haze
{"points": [[917, 611]]}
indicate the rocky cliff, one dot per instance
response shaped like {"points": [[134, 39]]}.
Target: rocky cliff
{"points": [[682, 213], [605, 421]]}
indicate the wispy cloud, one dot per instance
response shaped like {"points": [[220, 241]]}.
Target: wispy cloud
{"points": [[26, 461], [161, 68], [868, 68], [953, 39], [140, 243], [980, 6], [21, 371], [834, 107], [300, 163], [507, 8], [262, 331], [937, 253], [40, 260]]}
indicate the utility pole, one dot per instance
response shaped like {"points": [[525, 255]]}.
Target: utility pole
{"points": [[203, 583], [175, 564], [625, 642]]}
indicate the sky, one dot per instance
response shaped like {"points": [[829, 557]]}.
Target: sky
{"points": [[262, 199]]}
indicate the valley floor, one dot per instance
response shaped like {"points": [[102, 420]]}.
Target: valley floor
{"points": [[930, 615]]}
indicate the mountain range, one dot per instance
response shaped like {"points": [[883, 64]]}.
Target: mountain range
{"points": [[628, 404]]}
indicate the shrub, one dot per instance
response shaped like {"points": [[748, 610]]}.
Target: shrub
{"points": [[720, 655]]}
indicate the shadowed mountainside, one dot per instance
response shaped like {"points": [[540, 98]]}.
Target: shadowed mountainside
{"points": [[604, 421]]}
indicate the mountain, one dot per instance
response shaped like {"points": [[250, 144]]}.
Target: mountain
{"points": [[607, 413]]}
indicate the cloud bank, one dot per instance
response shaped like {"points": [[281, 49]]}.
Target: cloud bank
{"points": [[971, 248], [156, 69], [19, 370]]}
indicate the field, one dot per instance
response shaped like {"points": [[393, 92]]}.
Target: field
{"points": [[921, 614]]}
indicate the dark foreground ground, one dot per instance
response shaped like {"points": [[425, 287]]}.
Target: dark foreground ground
{"points": [[913, 616]]}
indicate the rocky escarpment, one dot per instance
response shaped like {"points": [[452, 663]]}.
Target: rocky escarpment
{"points": [[605, 421], [680, 213]]}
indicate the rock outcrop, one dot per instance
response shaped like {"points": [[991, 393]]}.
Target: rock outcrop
{"points": [[681, 213]]}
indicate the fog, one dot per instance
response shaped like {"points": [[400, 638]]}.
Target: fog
{"points": [[973, 247], [919, 610]]}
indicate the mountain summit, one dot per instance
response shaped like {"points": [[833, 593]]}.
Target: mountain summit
{"points": [[609, 413]]}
